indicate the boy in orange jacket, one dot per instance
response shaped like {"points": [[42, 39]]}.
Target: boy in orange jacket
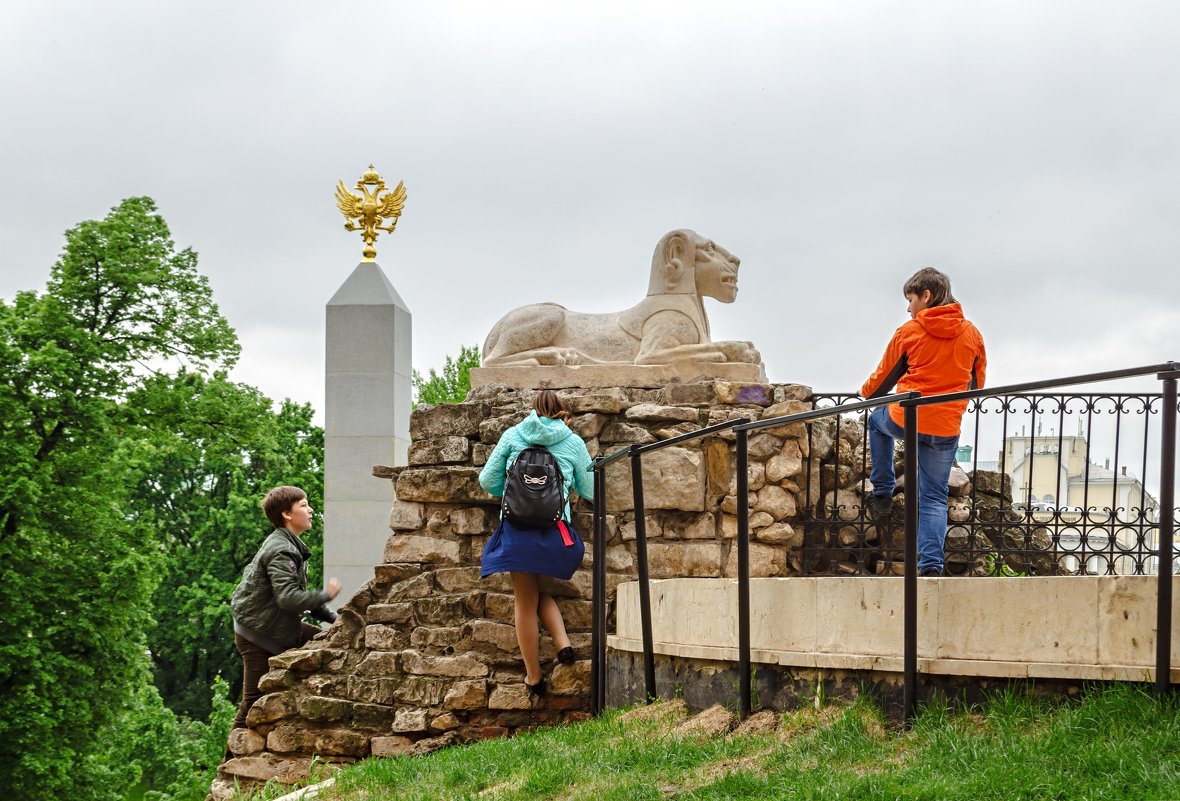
{"points": [[936, 352]]}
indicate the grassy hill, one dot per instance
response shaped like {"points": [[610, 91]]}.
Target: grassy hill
{"points": [[1118, 742]]}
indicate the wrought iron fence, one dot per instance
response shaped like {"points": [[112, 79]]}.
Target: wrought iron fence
{"points": [[1070, 490], [1024, 530]]}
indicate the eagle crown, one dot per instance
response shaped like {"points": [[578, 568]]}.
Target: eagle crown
{"points": [[370, 208]]}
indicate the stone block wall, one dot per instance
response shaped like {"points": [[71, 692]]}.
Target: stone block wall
{"points": [[425, 654]]}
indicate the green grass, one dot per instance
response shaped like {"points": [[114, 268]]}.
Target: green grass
{"points": [[1118, 742]]}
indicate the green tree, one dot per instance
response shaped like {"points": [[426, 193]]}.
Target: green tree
{"points": [[454, 383], [209, 450], [77, 571], [165, 758]]}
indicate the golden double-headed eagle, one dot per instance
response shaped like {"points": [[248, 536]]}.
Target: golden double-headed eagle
{"points": [[371, 208]]}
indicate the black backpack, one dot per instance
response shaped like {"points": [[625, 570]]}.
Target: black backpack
{"points": [[534, 492]]}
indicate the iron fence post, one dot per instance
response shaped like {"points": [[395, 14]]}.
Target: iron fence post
{"points": [[910, 581], [1163, 626], [598, 593], [743, 571], [649, 661]]}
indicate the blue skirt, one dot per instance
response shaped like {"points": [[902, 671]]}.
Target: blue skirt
{"points": [[544, 551]]}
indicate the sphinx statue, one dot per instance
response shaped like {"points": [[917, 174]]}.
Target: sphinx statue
{"points": [[669, 327]]}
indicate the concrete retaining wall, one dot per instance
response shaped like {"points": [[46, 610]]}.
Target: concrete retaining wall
{"points": [[1080, 628]]}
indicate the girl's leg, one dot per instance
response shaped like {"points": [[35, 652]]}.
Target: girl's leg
{"points": [[554, 624], [526, 594]]}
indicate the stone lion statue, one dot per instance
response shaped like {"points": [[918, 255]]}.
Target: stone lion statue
{"points": [[667, 326]]}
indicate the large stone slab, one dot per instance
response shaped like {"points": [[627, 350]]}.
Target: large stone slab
{"points": [[413, 548], [598, 376], [1126, 610], [286, 770], [1091, 627], [442, 485], [1063, 627], [447, 420], [673, 478], [685, 558]]}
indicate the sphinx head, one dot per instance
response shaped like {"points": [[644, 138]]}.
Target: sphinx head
{"points": [[685, 263]]}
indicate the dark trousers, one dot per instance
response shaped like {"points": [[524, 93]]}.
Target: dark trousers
{"points": [[936, 455], [254, 666]]}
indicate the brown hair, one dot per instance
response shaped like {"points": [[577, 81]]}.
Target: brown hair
{"points": [[930, 279], [550, 404], [279, 500]]}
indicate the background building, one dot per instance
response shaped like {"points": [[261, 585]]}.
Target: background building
{"points": [[1105, 519]]}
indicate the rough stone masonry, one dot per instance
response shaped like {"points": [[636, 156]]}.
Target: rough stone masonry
{"points": [[425, 654]]}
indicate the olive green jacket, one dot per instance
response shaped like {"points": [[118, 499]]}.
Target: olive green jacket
{"points": [[269, 602]]}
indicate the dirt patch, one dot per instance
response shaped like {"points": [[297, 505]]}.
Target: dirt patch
{"points": [[763, 722], [674, 711], [713, 722]]}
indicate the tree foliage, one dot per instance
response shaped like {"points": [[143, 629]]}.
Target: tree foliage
{"points": [[76, 572], [209, 450], [453, 384], [130, 474]]}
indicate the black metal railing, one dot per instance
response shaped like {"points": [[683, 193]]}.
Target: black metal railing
{"points": [[598, 635], [743, 523], [1167, 374], [1152, 536], [598, 586], [1063, 513]]}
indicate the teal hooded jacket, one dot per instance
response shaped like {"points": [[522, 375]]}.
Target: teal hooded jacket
{"points": [[565, 445]]}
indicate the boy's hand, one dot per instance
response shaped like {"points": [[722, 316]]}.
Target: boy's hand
{"points": [[332, 588]]}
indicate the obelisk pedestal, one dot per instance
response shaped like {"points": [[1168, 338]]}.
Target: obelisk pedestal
{"points": [[366, 421]]}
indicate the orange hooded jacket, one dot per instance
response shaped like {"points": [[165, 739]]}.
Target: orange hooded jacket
{"points": [[936, 352]]}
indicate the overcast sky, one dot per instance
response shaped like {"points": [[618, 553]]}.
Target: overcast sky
{"points": [[1029, 149]]}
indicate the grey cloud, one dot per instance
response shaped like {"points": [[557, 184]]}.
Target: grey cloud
{"points": [[1028, 148]]}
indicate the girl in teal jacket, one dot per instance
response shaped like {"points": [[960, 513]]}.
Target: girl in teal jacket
{"points": [[527, 554]]}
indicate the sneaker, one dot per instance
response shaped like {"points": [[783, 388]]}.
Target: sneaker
{"points": [[930, 572], [879, 506]]}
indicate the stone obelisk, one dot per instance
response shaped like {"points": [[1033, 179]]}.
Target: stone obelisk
{"points": [[367, 394]]}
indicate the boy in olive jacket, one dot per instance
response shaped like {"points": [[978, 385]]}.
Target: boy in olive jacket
{"points": [[269, 602]]}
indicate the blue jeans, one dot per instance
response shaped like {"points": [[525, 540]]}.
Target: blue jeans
{"points": [[935, 457]]}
